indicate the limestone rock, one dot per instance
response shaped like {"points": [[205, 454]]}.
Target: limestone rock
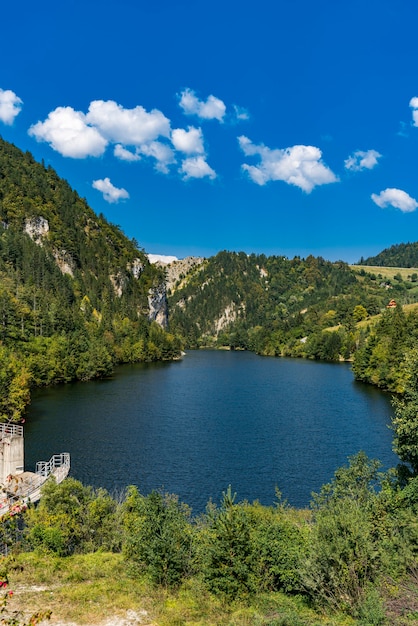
{"points": [[178, 269], [136, 268], [157, 303], [37, 228], [65, 262], [119, 282]]}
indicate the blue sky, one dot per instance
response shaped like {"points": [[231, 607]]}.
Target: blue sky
{"points": [[272, 126]]}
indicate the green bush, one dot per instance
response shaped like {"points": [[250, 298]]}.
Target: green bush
{"points": [[72, 518], [158, 536], [279, 546], [344, 555], [345, 551], [226, 549]]}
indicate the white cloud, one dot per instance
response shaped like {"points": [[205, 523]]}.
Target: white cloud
{"points": [[78, 135], [361, 160], [135, 133], [196, 167], [130, 127], [396, 198], [110, 192], [162, 153], [241, 114], [10, 106], [414, 106], [301, 166], [125, 155], [212, 109], [68, 132], [188, 141]]}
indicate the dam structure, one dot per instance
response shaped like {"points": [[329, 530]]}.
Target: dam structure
{"points": [[18, 487]]}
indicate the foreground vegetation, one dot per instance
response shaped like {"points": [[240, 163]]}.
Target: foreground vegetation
{"points": [[95, 588], [350, 559]]}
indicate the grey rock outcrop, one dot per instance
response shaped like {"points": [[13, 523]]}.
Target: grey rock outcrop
{"points": [[178, 269], [37, 228], [119, 282], [65, 262], [136, 268], [157, 304]]}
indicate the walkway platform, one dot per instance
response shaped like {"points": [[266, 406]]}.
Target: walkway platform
{"points": [[25, 487]]}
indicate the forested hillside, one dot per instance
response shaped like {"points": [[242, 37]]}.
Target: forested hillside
{"points": [[399, 255], [76, 295], [385, 348], [276, 306]]}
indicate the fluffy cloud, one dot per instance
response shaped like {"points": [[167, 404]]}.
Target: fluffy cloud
{"points": [[212, 109], [396, 198], [78, 135], [361, 160], [196, 167], [162, 153], [129, 127], [68, 132], [188, 141], [10, 105], [134, 133], [110, 192], [125, 155], [414, 106], [298, 165]]}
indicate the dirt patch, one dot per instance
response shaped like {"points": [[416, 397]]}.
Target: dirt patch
{"points": [[132, 618]]}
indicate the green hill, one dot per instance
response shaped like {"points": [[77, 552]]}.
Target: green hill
{"points": [[279, 306], [399, 255], [76, 295]]}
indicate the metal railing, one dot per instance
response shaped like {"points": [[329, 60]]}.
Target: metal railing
{"points": [[28, 488], [8, 430], [45, 468]]}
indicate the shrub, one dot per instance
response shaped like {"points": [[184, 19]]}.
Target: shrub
{"points": [[158, 536]]}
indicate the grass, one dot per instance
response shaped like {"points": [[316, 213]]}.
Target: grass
{"points": [[386, 272], [93, 588], [84, 589]]}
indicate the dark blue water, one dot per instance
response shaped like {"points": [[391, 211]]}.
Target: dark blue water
{"points": [[213, 419]]}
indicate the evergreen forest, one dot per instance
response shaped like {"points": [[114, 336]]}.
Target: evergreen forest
{"points": [[399, 255], [75, 292]]}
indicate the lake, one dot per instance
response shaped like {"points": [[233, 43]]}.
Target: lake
{"points": [[212, 419]]}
